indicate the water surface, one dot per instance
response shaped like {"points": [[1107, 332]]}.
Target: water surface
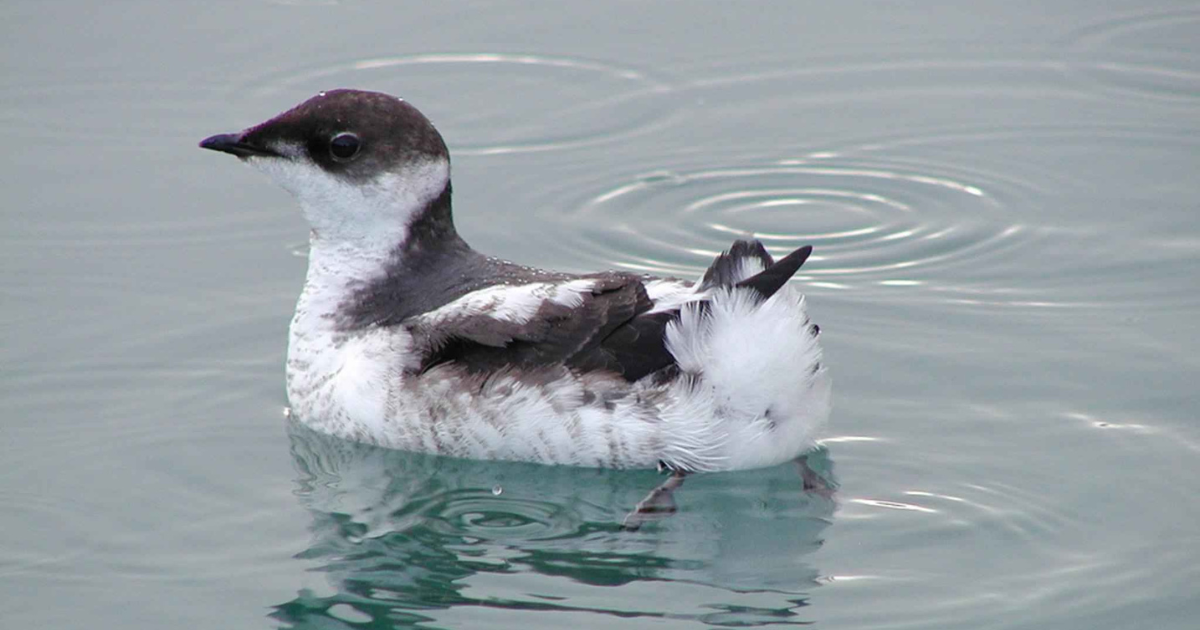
{"points": [[1003, 203]]}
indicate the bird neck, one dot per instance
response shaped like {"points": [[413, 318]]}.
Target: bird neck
{"points": [[357, 283]]}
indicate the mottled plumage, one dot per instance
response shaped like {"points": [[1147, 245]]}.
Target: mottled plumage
{"points": [[405, 336]]}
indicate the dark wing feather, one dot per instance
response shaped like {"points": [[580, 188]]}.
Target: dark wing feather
{"points": [[726, 269], [596, 335], [611, 330], [775, 276], [639, 348]]}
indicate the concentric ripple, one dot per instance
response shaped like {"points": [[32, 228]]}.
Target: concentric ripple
{"points": [[1058, 557], [955, 215], [866, 220], [1148, 55], [479, 100], [401, 534], [482, 514], [986, 178]]}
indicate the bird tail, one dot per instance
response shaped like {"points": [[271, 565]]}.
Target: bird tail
{"points": [[750, 357], [747, 264]]}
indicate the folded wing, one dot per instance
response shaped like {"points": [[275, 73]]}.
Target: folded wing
{"points": [[543, 325], [596, 322]]}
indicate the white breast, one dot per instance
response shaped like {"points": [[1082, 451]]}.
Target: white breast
{"points": [[752, 395]]}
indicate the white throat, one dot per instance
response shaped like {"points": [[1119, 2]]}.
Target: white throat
{"points": [[370, 216], [356, 226]]}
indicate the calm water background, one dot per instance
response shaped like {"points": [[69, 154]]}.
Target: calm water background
{"points": [[1004, 202]]}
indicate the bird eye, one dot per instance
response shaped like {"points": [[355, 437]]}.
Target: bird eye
{"points": [[344, 146]]}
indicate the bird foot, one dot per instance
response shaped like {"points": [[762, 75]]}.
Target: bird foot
{"points": [[659, 504]]}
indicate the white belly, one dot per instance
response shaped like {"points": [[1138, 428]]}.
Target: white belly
{"points": [[741, 402]]}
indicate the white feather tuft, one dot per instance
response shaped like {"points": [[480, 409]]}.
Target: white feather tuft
{"points": [[756, 366], [570, 293], [669, 295], [516, 304]]}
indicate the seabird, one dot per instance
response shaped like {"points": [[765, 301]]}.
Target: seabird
{"points": [[406, 337]]}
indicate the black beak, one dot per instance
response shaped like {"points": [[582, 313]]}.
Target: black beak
{"points": [[233, 143]]}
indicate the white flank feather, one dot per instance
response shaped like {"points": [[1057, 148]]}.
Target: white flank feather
{"points": [[516, 304], [757, 366]]}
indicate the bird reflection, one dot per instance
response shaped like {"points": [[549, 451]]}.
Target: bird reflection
{"points": [[401, 536]]}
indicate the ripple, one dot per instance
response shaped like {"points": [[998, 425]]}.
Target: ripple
{"points": [[481, 103], [483, 514], [26, 546], [956, 216], [1054, 208], [867, 219], [960, 201], [397, 532], [1055, 559], [246, 225], [1000, 512], [98, 111], [893, 505], [1151, 55]]}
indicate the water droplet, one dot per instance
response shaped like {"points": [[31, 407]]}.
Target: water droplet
{"points": [[496, 490]]}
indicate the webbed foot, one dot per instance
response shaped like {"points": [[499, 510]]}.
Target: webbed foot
{"points": [[659, 504]]}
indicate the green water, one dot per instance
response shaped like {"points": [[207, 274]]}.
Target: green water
{"points": [[1005, 208]]}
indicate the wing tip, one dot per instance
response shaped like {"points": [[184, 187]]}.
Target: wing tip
{"points": [[728, 268], [774, 277]]}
